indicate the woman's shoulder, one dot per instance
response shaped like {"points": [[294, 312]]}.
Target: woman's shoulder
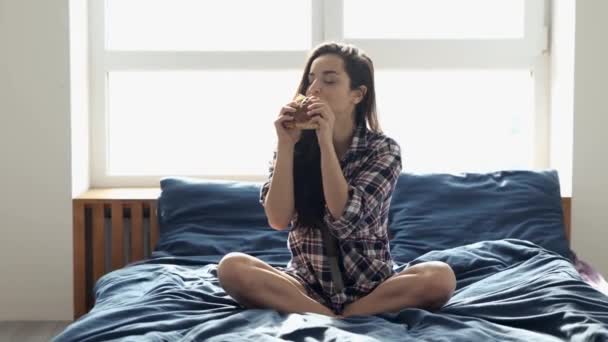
{"points": [[379, 143]]}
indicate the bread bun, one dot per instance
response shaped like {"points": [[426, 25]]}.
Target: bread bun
{"points": [[302, 120]]}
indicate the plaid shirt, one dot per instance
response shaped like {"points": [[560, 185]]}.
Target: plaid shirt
{"points": [[371, 167]]}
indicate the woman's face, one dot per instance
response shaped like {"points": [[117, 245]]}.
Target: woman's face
{"points": [[329, 81]]}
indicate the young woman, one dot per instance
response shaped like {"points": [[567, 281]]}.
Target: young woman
{"points": [[334, 185]]}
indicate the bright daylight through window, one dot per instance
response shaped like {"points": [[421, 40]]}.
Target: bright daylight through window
{"points": [[194, 87]]}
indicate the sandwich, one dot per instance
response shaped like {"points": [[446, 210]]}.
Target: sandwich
{"points": [[301, 119]]}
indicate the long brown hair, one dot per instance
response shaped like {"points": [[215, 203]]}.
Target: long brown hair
{"points": [[308, 183]]}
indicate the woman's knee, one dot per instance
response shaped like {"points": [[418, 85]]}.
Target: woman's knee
{"points": [[440, 283], [233, 271]]}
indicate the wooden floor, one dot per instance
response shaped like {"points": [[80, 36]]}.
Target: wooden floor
{"points": [[31, 331]]}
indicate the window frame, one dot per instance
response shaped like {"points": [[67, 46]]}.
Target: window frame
{"points": [[531, 52]]}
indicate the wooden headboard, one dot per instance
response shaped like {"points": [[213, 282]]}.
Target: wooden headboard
{"points": [[130, 216], [567, 208]]}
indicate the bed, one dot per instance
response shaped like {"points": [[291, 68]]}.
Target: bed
{"points": [[503, 233]]}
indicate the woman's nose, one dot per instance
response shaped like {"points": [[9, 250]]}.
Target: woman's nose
{"points": [[313, 89]]}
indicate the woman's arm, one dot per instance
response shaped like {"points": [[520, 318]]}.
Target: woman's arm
{"points": [[279, 203], [335, 187], [364, 194]]}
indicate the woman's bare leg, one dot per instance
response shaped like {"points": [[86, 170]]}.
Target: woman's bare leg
{"points": [[255, 284], [427, 285]]}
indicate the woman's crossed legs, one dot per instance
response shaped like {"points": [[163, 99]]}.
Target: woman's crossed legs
{"points": [[255, 284]]}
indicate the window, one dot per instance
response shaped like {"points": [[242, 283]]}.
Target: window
{"points": [[460, 120], [434, 19], [199, 25], [191, 87], [193, 122]]}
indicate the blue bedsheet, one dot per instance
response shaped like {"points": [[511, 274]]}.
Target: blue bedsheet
{"points": [[507, 290]]}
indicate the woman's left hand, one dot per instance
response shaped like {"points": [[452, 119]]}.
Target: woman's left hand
{"points": [[325, 118]]}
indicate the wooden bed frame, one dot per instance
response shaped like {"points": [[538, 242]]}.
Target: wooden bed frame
{"points": [[114, 227]]}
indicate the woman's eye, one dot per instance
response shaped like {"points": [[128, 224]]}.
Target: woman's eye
{"points": [[324, 81]]}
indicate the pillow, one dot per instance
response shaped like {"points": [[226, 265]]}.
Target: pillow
{"points": [[199, 217], [439, 211]]}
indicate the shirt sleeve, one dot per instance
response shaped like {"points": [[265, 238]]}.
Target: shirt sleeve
{"points": [[367, 191], [266, 185]]}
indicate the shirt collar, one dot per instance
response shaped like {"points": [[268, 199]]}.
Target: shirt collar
{"points": [[358, 144]]}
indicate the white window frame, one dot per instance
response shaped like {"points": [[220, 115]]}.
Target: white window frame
{"points": [[529, 52]]}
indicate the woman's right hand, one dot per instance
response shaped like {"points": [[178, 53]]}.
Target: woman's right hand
{"points": [[287, 136]]}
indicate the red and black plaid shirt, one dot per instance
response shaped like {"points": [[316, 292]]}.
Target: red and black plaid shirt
{"points": [[371, 167]]}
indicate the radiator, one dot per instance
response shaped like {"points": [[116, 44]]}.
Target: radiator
{"points": [[109, 234]]}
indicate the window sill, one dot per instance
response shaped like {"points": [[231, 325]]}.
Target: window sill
{"points": [[120, 194]]}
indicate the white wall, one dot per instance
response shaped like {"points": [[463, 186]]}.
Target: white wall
{"points": [[590, 162], [35, 180], [79, 89]]}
